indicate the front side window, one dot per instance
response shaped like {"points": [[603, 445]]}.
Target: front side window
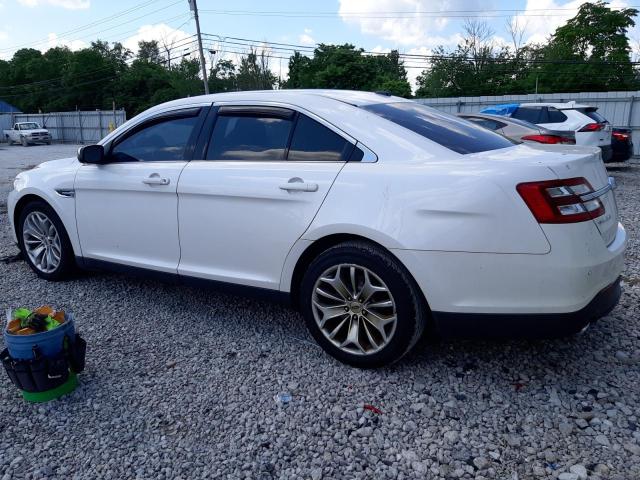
{"points": [[162, 140], [451, 132], [315, 142], [243, 137]]}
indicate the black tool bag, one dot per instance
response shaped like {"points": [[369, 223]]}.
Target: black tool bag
{"points": [[40, 374]]}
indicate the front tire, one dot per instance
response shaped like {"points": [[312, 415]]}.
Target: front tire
{"points": [[24, 142], [361, 305], [44, 242]]}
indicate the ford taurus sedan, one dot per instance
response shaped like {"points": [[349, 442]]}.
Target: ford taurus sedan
{"points": [[378, 218]]}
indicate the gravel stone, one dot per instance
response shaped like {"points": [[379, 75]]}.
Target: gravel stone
{"points": [[469, 409], [568, 476], [580, 471]]}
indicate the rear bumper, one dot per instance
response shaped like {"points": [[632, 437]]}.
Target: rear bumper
{"points": [[488, 292], [528, 325]]}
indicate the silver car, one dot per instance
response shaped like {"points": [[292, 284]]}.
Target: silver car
{"points": [[520, 130]]}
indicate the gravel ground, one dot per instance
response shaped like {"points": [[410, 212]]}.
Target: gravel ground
{"points": [[154, 404]]}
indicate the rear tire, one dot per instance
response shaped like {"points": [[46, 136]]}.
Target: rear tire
{"points": [[40, 226], [352, 324]]}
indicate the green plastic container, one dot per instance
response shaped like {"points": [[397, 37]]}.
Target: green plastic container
{"points": [[40, 397]]}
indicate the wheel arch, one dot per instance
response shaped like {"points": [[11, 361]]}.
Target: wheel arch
{"points": [[318, 246], [31, 197]]}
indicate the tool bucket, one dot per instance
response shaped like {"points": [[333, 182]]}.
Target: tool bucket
{"points": [[44, 365], [50, 343]]}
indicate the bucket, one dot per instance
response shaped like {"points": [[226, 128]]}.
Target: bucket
{"points": [[49, 343]]}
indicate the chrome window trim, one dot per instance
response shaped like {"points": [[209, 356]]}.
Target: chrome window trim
{"points": [[369, 155]]}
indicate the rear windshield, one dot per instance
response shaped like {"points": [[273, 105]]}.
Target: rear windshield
{"points": [[595, 116], [451, 132]]}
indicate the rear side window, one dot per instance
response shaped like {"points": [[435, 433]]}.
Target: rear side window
{"points": [[529, 114], [555, 116], [162, 140], [242, 137], [451, 132], [314, 142]]}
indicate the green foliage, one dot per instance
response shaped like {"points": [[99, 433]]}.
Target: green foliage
{"points": [[254, 73], [589, 53], [346, 67]]}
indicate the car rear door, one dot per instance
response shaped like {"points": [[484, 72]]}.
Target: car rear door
{"points": [[127, 209], [261, 174]]}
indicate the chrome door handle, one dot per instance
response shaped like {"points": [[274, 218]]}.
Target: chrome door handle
{"points": [[298, 185], [155, 179]]}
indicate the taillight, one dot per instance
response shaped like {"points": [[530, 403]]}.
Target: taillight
{"points": [[549, 139], [558, 201], [621, 136], [592, 127]]}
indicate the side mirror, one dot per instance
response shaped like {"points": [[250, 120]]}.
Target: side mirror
{"points": [[93, 154]]}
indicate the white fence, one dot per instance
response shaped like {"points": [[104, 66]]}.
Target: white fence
{"points": [[618, 107], [79, 127]]}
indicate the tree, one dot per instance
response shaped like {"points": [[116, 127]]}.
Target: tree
{"points": [[222, 77], [149, 51], [344, 66], [254, 73], [590, 52]]}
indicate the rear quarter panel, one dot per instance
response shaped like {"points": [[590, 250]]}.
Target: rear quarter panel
{"points": [[452, 205]]}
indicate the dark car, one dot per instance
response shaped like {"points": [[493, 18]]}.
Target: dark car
{"points": [[622, 144]]}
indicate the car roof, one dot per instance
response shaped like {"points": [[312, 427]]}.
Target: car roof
{"points": [[351, 97], [560, 106]]}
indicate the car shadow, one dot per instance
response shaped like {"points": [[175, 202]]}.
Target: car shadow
{"points": [[509, 362]]}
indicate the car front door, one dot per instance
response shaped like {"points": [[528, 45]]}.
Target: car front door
{"points": [[262, 174], [127, 208]]}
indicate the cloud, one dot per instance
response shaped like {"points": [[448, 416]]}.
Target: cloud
{"points": [[408, 30], [3, 35], [67, 4], [54, 41], [306, 38]]}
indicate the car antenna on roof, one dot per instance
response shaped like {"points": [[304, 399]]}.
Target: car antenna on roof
{"points": [[386, 93]]}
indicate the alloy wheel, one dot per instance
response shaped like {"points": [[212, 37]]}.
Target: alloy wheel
{"points": [[354, 309], [42, 242]]}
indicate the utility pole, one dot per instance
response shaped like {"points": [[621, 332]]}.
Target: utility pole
{"points": [[194, 8]]}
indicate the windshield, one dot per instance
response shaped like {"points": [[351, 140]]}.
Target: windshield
{"points": [[451, 132], [29, 126]]}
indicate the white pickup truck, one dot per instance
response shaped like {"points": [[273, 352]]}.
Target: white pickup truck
{"points": [[27, 133]]}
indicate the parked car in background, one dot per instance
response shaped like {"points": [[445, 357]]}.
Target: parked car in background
{"points": [[591, 128], [27, 133], [374, 215], [621, 144], [519, 129]]}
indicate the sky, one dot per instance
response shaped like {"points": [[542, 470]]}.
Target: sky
{"points": [[411, 26]]}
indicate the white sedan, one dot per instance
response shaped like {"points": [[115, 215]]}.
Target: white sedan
{"points": [[377, 217]]}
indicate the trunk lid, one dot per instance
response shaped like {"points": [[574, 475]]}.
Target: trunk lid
{"points": [[591, 167], [567, 161]]}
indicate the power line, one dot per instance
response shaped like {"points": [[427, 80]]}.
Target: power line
{"points": [[486, 13], [309, 49], [92, 24]]}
